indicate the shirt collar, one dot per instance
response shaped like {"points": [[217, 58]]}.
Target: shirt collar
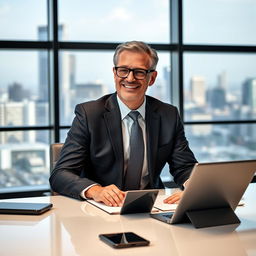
{"points": [[125, 110]]}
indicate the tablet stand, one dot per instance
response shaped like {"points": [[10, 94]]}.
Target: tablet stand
{"points": [[212, 217]]}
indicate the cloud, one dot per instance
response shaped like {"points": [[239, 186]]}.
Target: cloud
{"points": [[119, 14], [4, 9], [162, 3]]}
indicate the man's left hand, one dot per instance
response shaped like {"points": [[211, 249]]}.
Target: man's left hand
{"points": [[174, 198]]}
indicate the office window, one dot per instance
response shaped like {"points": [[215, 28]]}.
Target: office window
{"points": [[212, 80], [84, 76], [219, 86], [24, 102], [88, 75], [19, 20], [63, 135], [24, 88], [219, 22], [115, 21], [24, 158], [227, 142]]}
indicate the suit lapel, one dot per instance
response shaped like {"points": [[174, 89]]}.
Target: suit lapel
{"points": [[152, 130], [112, 119]]}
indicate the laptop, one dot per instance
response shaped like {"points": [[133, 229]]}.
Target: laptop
{"points": [[212, 194], [24, 208]]}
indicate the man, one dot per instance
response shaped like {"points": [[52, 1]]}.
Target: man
{"points": [[123, 140]]}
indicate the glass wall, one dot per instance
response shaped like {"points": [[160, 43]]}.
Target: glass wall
{"points": [[88, 75], [219, 78], [225, 142], [24, 108], [220, 22], [43, 77], [20, 20], [219, 86], [24, 96], [115, 21]]}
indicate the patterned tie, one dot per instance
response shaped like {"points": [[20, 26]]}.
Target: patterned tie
{"points": [[135, 162]]}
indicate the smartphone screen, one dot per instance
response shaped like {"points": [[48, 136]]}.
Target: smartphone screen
{"points": [[123, 240]]}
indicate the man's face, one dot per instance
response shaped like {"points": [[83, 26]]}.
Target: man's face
{"points": [[131, 90]]}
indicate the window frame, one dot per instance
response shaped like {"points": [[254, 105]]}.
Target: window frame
{"points": [[176, 48]]}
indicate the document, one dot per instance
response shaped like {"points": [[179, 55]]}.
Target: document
{"points": [[159, 205], [102, 206]]}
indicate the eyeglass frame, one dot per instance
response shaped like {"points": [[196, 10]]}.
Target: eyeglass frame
{"points": [[134, 69]]}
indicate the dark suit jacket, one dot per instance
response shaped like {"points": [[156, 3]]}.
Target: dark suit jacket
{"points": [[93, 150]]}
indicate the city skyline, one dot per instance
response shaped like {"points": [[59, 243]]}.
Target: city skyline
{"points": [[217, 86], [159, 90], [114, 15]]}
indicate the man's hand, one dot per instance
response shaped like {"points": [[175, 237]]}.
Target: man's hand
{"points": [[110, 195], [174, 198]]}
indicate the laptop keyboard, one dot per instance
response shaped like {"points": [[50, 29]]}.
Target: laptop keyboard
{"points": [[168, 215]]}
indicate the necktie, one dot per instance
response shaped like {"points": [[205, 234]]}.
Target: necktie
{"points": [[135, 162]]}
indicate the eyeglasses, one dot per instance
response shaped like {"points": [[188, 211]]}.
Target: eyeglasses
{"points": [[138, 73]]}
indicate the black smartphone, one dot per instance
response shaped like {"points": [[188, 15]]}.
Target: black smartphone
{"points": [[123, 240]]}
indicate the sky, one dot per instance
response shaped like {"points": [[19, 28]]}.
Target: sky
{"points": [[209, 22]]}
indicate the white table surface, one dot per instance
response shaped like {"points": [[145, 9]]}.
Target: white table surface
{"points": [[72, 228]]}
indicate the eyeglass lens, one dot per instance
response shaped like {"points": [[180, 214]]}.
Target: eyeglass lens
{"points": [[137, 73]]}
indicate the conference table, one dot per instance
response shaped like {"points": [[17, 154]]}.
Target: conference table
{"points": [[72, 227]]}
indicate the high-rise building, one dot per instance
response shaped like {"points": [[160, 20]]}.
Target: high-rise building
{"points": [[27, 158], [66, 74], [43, 66], [201, 130], [217, 98], [88, 91], [222, 80], [42, 118], [167, 80], [43, 63], [197, 89], [249, 104], [72, 77], [249, 94], [17, 114], [17, 93]]}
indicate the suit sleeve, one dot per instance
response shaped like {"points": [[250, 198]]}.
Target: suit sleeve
{"points": [[182, 158], [67, 178]]}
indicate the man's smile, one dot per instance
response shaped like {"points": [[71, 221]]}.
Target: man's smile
{"points": [[130, 86]]}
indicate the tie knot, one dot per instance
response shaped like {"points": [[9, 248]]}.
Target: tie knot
{"points": [[134, 115]]}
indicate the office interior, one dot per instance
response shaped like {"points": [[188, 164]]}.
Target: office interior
{"points": [[56, 54]]}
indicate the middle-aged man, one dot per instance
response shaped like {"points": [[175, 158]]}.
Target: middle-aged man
{"points": [[123, 140]]}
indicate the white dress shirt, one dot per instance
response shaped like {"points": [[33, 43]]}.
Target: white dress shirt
{"points": [[127, 123]]}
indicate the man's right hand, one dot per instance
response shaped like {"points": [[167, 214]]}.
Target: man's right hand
{"points": [[110, 195]]}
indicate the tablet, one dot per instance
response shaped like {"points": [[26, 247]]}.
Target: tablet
{"points": [[138, 201], [24, 208]]}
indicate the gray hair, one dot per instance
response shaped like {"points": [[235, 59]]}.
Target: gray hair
{"points": [[137, 46]]}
